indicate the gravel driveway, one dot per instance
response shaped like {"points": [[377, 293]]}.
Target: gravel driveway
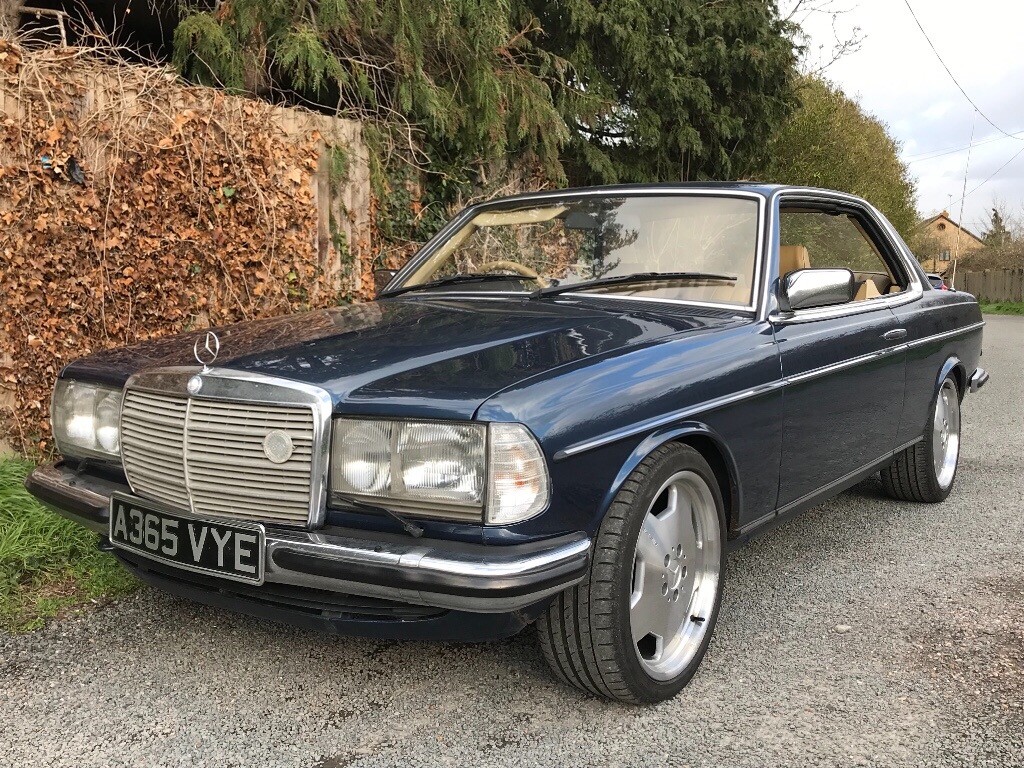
{"points": [[864, 632]]}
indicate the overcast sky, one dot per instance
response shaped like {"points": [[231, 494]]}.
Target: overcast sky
{"points": [[896, 76]]}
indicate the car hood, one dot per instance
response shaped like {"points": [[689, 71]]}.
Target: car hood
{"points": [[416, 356]]}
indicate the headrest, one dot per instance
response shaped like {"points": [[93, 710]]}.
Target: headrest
{"points": [[867, 290]]}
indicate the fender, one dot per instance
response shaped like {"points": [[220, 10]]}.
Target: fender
{"points": [[951, 364], [670, 434]]}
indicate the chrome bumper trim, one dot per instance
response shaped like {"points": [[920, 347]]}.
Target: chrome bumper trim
{"points": [[442, 574], [978, 379]]}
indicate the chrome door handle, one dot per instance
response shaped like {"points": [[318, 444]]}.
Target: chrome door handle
{"points": [[895, 333]]}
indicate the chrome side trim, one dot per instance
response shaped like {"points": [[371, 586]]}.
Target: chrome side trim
{"points": [[720, 402], [946, 335], [825, 370], [243, 387], [661, 421]]}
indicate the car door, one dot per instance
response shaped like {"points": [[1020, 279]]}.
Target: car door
{"points": [[843, 366]]}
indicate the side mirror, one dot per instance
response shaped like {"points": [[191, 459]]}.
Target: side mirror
{"points": [[381, 277], [807, 288]]}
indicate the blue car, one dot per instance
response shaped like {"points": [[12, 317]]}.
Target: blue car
{"points": [[563, 411]]}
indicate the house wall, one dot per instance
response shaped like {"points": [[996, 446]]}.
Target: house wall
{"points": [[947, 238]]}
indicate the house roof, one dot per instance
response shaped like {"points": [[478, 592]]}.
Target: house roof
{"points": [[945, 215]]}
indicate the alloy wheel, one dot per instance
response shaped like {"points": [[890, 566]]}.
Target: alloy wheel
{"points": [[675, 575], [946, 433]]}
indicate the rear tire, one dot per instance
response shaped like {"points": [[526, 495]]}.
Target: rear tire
{"points": [[926, 471], [637, 627]]}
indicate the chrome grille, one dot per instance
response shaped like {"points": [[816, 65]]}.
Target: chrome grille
{"points": [[207, 456], [228, 472], [153, 446]]}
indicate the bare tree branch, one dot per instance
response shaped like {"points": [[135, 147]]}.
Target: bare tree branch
{"points": [[846, 40]]}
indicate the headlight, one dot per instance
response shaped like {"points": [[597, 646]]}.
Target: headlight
{"points": [[460, 471], [85, 420]]}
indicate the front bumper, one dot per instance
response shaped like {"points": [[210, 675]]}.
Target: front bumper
{"points": [[435, 573]]}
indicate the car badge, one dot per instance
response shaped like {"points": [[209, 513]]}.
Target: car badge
{"points": [[278, 446], [206, 354]]}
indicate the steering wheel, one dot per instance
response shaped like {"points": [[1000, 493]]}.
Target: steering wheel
{"points": [[514, 266]]}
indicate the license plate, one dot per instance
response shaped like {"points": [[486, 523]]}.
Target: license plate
{"points": [[231, 550]]}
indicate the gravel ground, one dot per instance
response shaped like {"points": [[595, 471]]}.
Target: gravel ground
{"points": [[864, 632]]}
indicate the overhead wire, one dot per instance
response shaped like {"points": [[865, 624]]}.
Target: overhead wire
{"points": [[970, 147], [937, 153], [992, 176], [952, 77]]}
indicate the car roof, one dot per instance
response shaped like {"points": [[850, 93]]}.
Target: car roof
{"points": [[756, 187]]}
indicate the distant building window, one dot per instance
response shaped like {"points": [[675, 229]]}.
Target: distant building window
{"points": [[942, 227], [944, 256]]}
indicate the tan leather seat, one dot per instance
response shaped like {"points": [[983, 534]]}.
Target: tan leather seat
{"points": [[867, 290], [792, 258]]}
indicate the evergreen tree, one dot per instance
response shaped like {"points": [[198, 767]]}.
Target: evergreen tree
{"points": [[606, 90], [831, 142], [667, 89], [457, 71], [997, 234]]}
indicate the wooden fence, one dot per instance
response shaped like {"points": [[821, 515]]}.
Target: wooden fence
{"points": [[993, 284]]}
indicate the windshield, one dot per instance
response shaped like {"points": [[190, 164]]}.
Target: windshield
{"points": [[707, 243]]}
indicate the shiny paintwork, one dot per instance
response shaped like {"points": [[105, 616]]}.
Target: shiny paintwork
{"points": [[601, 382]]}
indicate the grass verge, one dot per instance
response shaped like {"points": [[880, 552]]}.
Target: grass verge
{"points": [[48, 565], [1003, 308]]}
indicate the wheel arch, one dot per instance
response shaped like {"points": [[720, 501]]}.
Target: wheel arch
{"points": [[709, 444], [953, 366]]}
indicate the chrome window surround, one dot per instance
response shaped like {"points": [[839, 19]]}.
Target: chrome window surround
{"points": [[455, 224], [242, 387], [892, 245]]}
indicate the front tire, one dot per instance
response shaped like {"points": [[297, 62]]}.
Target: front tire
{"points": [[638, 626], [925, 471]]}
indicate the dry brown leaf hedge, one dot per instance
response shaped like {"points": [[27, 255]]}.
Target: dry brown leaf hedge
{"points": [[202, 215]]}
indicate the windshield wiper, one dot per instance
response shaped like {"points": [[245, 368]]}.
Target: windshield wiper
{"points": [[453, 280], [407, 525], [636, 277]]}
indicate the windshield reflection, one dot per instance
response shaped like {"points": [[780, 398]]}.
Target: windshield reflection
{"points": [[525, 247]]}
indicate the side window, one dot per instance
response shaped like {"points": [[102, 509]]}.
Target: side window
{"points": [[824, 240]]}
